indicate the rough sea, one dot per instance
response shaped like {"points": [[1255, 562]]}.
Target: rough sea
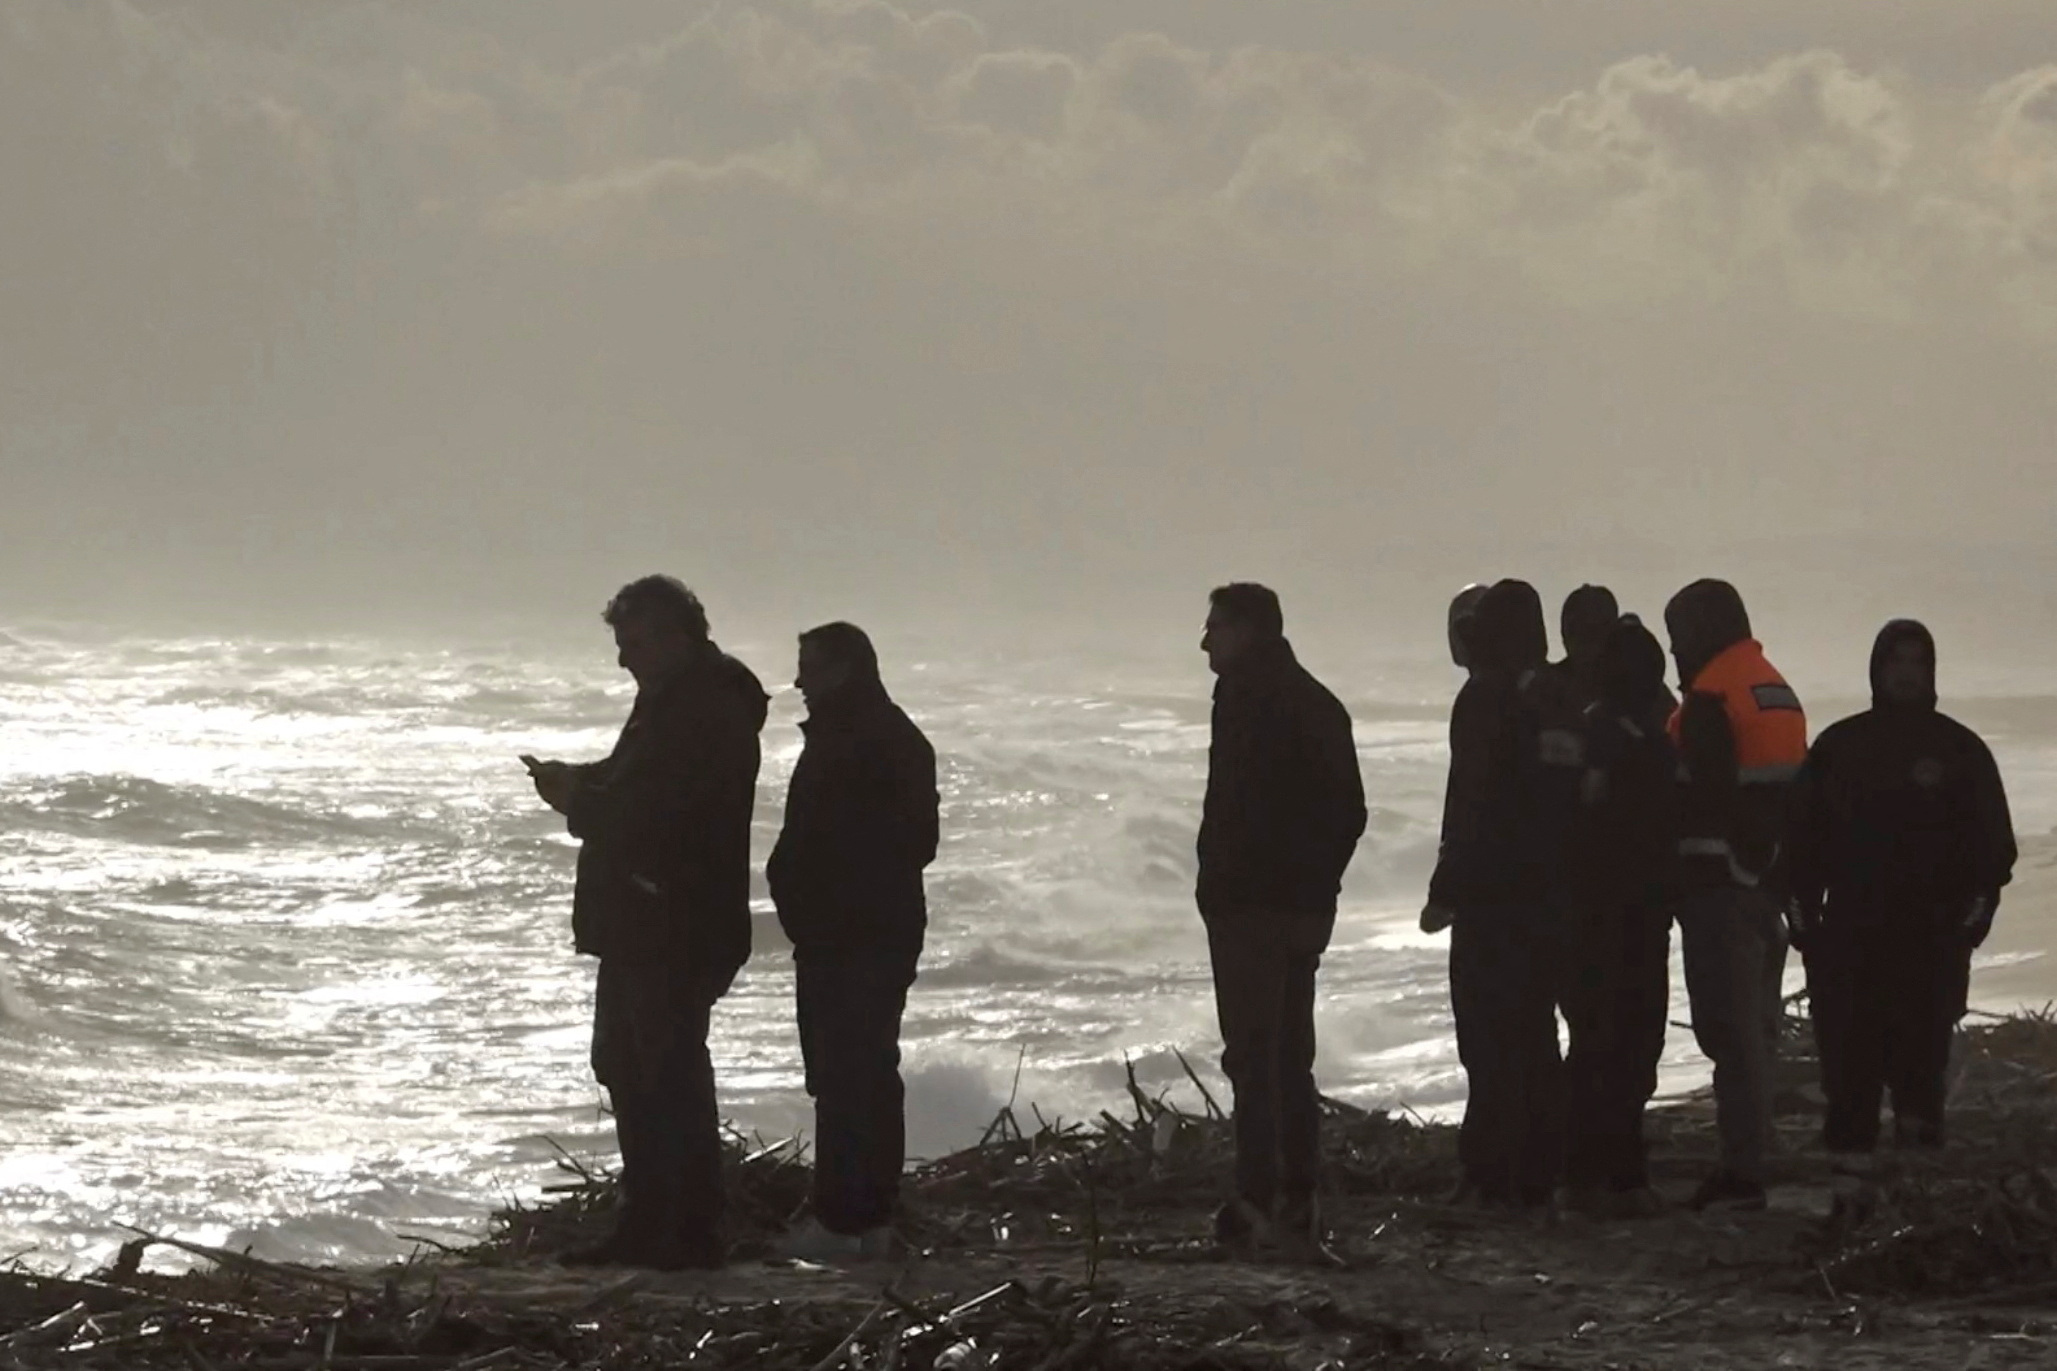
{"points": [[284, 934]]}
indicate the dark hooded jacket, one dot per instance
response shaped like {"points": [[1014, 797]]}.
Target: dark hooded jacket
{"points": [[1495, 848], [1704, 620], [1285, 798], [1899, 816], [861, 827], [664, 824], [1623, 850]]}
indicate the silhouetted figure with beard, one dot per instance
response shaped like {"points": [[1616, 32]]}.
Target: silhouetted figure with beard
{"points": [[663, 900], [1284, 811], [1622, 879], [1899, 846], [1742, 736], [1491, 887], [861, 827]]}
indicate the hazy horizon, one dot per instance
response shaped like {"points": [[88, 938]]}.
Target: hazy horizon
{"points": [[367, 314]]}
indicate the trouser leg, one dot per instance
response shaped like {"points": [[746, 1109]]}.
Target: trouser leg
{"points": [[1299, 1136], [1249, 1000], [650, 1050], [1501, 990], [1641, 1002], [1727, 956], [1584, 999], [1928, 993], [850, 1014], [1844, 1004]]}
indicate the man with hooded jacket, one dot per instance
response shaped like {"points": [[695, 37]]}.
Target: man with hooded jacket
{"points": [[663, 900], [1742, 736], [1622, 880], [1899, 846], [861, 828], [1492, 889]]}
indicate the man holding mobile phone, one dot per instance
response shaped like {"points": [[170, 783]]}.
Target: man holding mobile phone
{"points": [[663, 900]]}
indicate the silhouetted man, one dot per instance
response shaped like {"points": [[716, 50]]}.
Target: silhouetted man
{"points": [[861, 827], [1463, 624], [663, 900], [1492, 888], [1560, 695], [1742, 737], [1899, 846], [1284, 811], [1622, 880]]}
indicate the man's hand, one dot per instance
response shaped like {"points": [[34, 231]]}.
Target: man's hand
{"points": [[1800, 924], [1975, 920], [555, 783], [1437, 917]]}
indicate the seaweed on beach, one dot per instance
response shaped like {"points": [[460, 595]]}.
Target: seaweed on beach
{"points": [[1127, 1186], [1976, 1223], [265, 1316]]}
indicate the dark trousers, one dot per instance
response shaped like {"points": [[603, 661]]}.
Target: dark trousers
{"points": [[850, 1008], [1885, 1000], [1264, 965], [1735, 955], [650, 1024], [1615, 994], [1503, 962]]}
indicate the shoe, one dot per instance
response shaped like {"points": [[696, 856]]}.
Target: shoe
{"points": [[1242, 1226], [1586, 1201], [1639, 1203], [688, 1253], [614, 1250], [1725, 1190], [811, 1242], [1300, 1231]]}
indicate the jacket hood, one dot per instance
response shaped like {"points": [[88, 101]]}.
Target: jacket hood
{"points": [[1705, 619], [1462, 611], [1508, 632], [1632, 670], [1589, 615], [1890, 637]]}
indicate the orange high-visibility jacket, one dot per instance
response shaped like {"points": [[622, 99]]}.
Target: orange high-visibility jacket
{"points": [[1770, 731]]}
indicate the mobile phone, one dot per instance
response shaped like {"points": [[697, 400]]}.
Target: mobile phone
{"points": [[534, 764]]}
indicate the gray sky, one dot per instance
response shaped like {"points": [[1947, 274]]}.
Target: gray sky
{"points": [[396, 309]]}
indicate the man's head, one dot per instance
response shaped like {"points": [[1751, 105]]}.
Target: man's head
{"points": [[1590, 614], [1903, 666], [1631, 667], [658, 626], [833, 658], [1462, 609], [1241, 617], [1704, 621], [1508, 635]]}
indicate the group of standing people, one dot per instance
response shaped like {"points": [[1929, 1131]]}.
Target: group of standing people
{"points": [[1588, 810], [663, 900]]}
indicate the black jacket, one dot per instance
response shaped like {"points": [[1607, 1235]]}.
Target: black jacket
{"points": [[1899, 814], [1623, 848], [664, 824], [861, 826], [1496, 843], [1285, 800]]}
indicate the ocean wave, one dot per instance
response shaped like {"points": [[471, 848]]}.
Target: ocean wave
{"points": [[138, 810]]}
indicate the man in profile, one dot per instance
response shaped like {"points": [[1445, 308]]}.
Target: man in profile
{"points": [[663, 900], [1741, 736], [1283, 813], [1899, 844], [861, 827]]}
